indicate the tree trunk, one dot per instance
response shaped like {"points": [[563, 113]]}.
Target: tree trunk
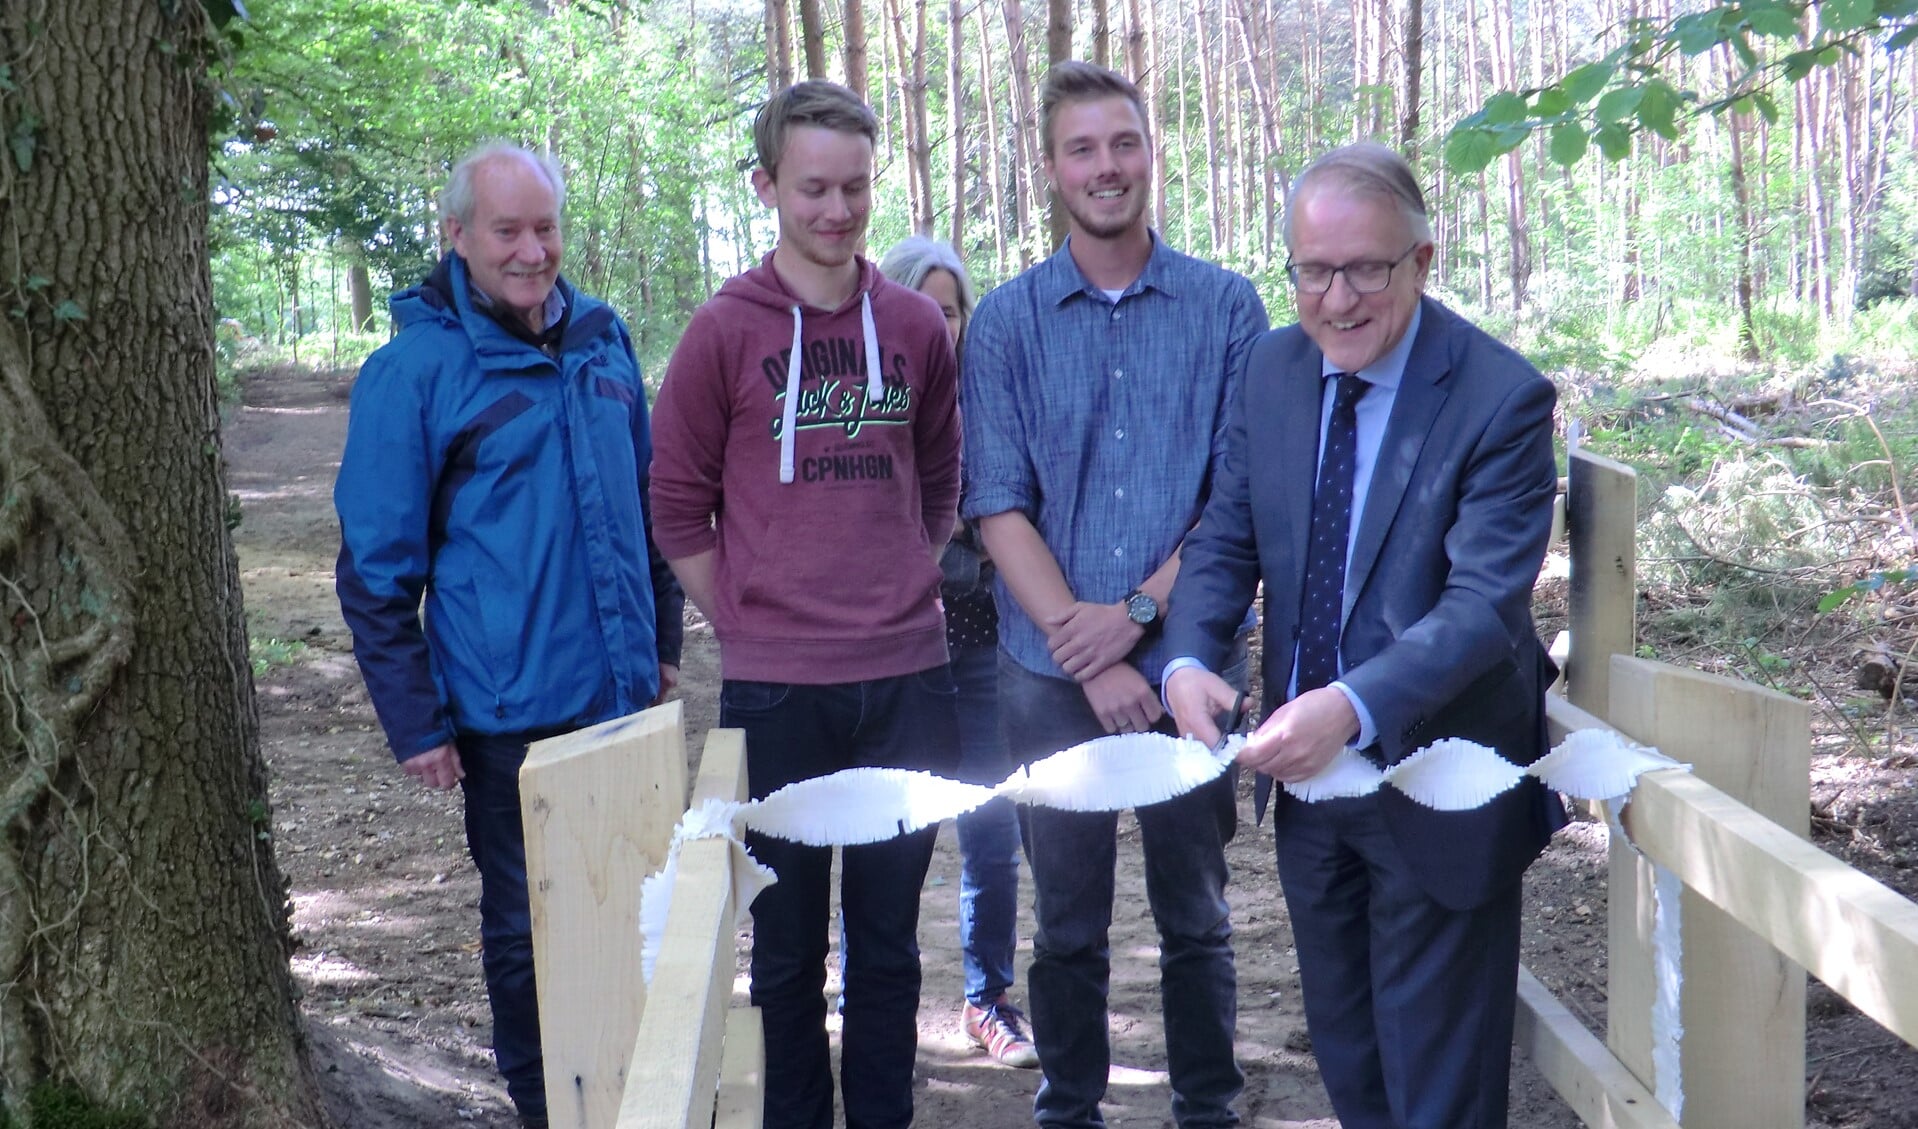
{"points": [[143, 920], [779, 45], [1414, 60], [1735, 126], [956, 117], [1058, 50], [1209, 113], [812, 29], [1030, 184], [1102, 34], [855, 26], [360, 286], [995, 151]]}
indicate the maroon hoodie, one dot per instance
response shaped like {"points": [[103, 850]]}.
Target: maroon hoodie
{"points": [[824, 509]]}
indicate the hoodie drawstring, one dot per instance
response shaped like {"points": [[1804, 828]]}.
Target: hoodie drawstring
{"points": [[875, 377], [789, 412]]}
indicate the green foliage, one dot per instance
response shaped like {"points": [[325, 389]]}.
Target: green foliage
{"points": [[1630, 90], [1875, 582], [267, 653]]}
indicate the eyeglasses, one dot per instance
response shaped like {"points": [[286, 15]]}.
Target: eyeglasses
{"points": [[1367, 276]]}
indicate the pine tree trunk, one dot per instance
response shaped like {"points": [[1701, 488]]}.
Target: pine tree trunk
{"points": [[779, 45], [1031, 184], [854, 22], [995, 151], [1058, 49], [956, 117], [812, 29], [143, 920]]}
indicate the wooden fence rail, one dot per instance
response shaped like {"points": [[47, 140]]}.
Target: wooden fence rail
{"points": [[1759, 906]]}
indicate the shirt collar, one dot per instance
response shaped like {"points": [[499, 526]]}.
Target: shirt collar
{"points": [[1387, 371], [550, 313], [1062, 277]]}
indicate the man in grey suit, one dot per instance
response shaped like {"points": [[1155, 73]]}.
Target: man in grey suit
{"points": [[1389, 477]]}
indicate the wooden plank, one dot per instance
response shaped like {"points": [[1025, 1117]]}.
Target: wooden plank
{"points": [[673, 1075], [722, 767], [1849, 930], [1602, 523], [1742, 1054], [742, 1072], [599, 806], [1597, 1087]]}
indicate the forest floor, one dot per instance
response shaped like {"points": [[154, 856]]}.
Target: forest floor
{"points": [[386, 901]]}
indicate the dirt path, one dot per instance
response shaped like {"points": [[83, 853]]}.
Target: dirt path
{"points": [[387, 901]]}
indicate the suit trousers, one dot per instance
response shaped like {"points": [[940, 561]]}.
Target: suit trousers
{"points": [[1409, 1004], [1073, 857]]}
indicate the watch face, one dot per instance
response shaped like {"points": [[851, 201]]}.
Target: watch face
{"points": [[1141, 608]]}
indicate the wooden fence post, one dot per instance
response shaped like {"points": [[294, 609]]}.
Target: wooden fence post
{"points": [[1742, 1055], [599, 807], [1602, 522]]}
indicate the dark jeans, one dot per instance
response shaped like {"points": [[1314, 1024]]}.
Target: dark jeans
{"points": [[1073, 855], [1409, 1004], [498, 845], [988, 835], [796, 733]]}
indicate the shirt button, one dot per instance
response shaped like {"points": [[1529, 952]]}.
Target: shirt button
{"points": [[1118, 374], [1118, 551], [1119, 434], [1119, 493]]}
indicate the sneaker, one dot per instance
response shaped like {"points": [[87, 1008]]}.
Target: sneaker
{"points": [[999, 1028]]}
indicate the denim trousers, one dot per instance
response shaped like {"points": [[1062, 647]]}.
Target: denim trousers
{"points": [[497, 842], [1073, 857], [797, 732], [988, 835]]}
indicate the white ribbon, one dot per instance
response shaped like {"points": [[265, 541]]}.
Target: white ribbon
{"points": [[870, 805]]}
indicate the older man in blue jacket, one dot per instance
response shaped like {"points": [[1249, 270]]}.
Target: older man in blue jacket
{"points": [[495, 470]]}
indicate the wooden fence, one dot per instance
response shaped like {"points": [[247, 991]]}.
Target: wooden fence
{"points": [[1759, 905]]}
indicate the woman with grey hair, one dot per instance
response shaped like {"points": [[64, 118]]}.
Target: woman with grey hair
{"points": [[988, 836]]}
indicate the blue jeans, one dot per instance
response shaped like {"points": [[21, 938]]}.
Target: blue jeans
{"points": [[497, 842], [796, 733], [1073, 856], [988, 835]]}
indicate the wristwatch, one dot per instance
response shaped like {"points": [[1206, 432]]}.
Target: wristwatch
{"points": [[1141, 608]]}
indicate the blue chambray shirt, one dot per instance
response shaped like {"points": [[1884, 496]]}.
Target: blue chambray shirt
{"points": [[1101, 420]]}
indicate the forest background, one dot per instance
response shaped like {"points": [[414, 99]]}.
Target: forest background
{"points": [[1700, 219]]}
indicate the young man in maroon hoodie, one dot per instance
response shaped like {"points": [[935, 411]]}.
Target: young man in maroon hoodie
{"points": [[805, 476]]}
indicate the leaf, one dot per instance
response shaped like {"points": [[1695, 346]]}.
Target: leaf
{"points": [[6, 80], [1766, 108], [36, 283], [1584, 83], [69, 310], [1696, 33], [1551, 102], [1902, 38], [1504, 107], [1658, 108], [1776, 21], [1798, 64], [1469, 150], [1741, 43], [1569, 143], [1614, 140], [1619, 104], [1840, 16]]}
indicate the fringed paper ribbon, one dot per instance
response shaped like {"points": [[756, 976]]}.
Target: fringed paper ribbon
{"points": [[870, 805]]}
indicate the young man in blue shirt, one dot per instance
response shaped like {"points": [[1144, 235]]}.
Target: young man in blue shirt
{"points": [[1097, 386]]}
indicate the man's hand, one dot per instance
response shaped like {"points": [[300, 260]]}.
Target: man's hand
{"points": [[436, 768], [1122, 699], [668, 681], [1087, 638], [1302, 736], [1197, 696]]}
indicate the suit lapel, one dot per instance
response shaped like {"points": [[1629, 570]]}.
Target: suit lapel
{"points": [[1297, 457], [1422, 392]]}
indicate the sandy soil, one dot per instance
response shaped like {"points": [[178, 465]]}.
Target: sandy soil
{"points": [[387, 901]]}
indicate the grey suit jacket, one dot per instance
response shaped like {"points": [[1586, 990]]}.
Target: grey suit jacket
{"points": [[1438, 638]]}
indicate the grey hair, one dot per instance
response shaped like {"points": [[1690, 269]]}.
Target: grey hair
{"points": [[1364, 168], [457, 200], [913, 258]]}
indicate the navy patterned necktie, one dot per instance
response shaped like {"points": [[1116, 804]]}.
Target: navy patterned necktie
{"points": [[1322, 605]]}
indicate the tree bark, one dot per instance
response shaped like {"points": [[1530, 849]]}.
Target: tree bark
{"points": [[1030, 187], [855, 25], [1058, 49], [812, 30], [143, 920], [995, 152], [1414, 61], [956, 117], [779, 45]]}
